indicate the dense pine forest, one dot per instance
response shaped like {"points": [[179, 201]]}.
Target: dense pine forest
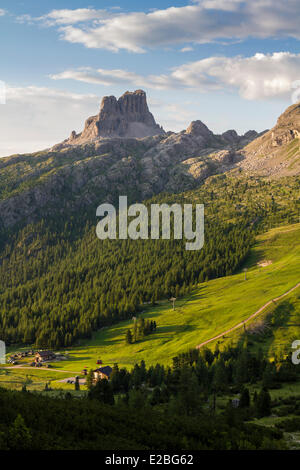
{"points": [[58, 282], [139, 409]]}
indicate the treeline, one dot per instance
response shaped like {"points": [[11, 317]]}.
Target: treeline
{"points": [[197, 378], [53, 294], [141, 328], [166, 408], [59, 283], [29, 421]]}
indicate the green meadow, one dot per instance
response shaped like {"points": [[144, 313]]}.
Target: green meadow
{"points": [[273, 268], [212, 308], [15, 379]]}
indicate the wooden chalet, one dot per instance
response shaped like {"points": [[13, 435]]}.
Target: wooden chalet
{"points": [[103, 373], [44, 356]]}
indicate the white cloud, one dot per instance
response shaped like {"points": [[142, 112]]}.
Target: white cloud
{"points": [[24, 19], [67, 17], [34, 118], [187, 49], [22, 94], [2, 12], [256, 77], [200, 22], [115, 77], [64, 17]]}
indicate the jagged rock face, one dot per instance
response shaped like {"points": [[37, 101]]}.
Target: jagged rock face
{"points": [[286, 130], [287, 127], [230, 135], [107, 159], [284, 137], [251, 135], [128, 117], [276, 152], [198, 128]]}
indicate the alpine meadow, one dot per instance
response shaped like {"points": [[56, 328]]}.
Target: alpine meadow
{"points": [[150, 277]]}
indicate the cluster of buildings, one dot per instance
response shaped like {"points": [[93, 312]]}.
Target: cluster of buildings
{"points": [[44, 356], [40, 357]]}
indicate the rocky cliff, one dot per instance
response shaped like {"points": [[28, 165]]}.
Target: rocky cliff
{"points": [[128, 116], [120, 151], [276, 152]]}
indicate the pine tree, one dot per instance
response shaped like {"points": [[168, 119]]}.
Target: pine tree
{"points": [[220, 376], [77, 384], [269, 375], [189, 392], [156, 396], [263, 403], [129, 338], [19, 435], [115, 378], [245, 398], [103, 392], [90, 379]]}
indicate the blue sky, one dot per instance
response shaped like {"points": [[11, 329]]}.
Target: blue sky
{"points": [[230, 63]]}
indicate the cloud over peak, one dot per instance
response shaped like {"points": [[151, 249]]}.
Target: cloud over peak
{"points": [[261, 76]]}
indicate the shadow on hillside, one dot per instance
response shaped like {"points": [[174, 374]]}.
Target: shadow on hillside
{"points": [[260, 333], [256, 254], [74, 359], [162, 330]]}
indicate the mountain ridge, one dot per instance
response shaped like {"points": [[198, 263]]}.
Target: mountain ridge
{"points": [[128, 116], [89, 169]]}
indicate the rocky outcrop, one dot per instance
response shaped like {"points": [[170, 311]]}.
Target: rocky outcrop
{"points": [[127, 117], [120, 151], [276, 152], [199, 129], [82, 176], [287, 127]]}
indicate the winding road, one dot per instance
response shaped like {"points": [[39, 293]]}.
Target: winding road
{"points": [[239, 325]]}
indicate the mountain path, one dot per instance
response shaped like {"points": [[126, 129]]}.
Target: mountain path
{"points": [[255, 314], [50, 369]]}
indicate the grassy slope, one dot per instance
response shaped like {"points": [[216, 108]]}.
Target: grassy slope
{"points": [[34, 380], [212, 308]]}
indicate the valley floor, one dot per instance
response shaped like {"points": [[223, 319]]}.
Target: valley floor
{"points": [[215, 307]]}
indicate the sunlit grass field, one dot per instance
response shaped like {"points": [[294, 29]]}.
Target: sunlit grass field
{"points": [[33, 379], [210, 309]]}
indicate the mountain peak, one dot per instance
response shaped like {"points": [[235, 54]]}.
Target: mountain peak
{"points": [[277, 151], [285, 131], [128, 116], [291, 113], [198, 128]]}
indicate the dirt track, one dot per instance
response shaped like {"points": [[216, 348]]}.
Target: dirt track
{"points": [[50, 369], [239, 325]]}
